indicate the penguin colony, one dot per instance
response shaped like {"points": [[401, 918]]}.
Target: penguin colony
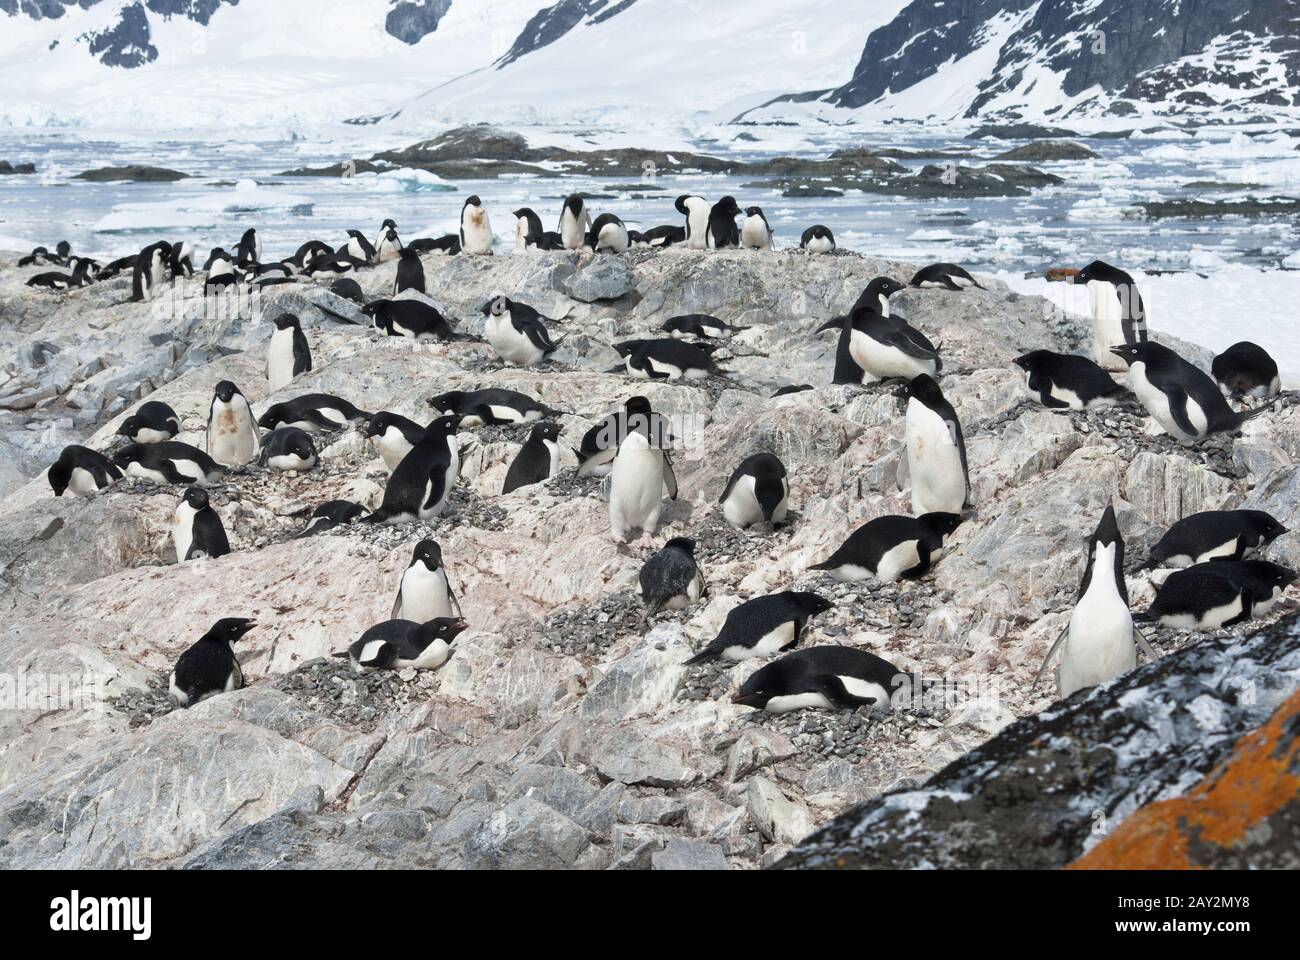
{"points": [[1217, 581]]}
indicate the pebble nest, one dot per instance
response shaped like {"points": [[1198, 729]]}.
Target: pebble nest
{"points": [[718, 542], [589, 631], [847, 734], [143, 705], [330, 687]]}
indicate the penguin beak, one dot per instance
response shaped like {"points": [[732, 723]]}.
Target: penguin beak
{"points": [[1118, 351]]}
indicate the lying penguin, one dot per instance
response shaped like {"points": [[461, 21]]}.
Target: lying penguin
{"points": [[398, 644]]}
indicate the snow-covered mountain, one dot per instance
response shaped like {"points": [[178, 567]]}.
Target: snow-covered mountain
{"points": [[1061, 58], [221, 63]]}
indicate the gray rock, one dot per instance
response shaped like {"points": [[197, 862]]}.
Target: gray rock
{"points": [[689, 855], [526, 834]]}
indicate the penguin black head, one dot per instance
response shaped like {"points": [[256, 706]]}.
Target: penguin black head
{"points": [[378, 424], [130, 427], [389, 224], [1265, 571], [63, 248], [446, 401], [348, 289], [225, 391], [728, 205], [810, 602], [450, 423], [473, 201], [1132, 353], [1101, 270], [1027, 361], [941, 523], [60, 475], [1269, 528], [356, 235], [573, 203], [445, 629], [685, 544], [545, 431], [300, 446], [229, 629], [884, 287], [408, 253], [196, 497], [429, 553], [286, 321], [496, 307], [754, 212], [926, 390], [1108, 529]]}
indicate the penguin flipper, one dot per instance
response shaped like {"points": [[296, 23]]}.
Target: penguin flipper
{"points": [[1143, 645], [397, 606], [1048, 659], [451, 595], [833, 689], [1178, 410], [314, 416], [172, 474], [670, 478]]}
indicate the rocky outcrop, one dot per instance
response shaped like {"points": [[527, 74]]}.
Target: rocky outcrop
{"points": [[566, 731], [412, 20], [139, 173]]}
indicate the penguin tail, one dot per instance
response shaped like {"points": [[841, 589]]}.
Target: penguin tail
{"points": [[342, 654], [378, 516], [824, 565], [1255, 411], [703, 655], [1145, 616]]}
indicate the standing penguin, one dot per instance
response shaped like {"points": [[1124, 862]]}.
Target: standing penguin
{"points": [[722, 230], [233, 439], [607, 235], [1246, 370], [1118, 314], [758, 491], [640, 472], [419, 487], [817, 239], [288, 355], [1099, 640], [387, 245], [1179, 396], [410, 273], [150, 270], [209, 667], [425, 592], [671, 579], [248, 252], [197, 530], [475, 230], [516, 332], [538, 459], [696, 211], [763, 626], [82, 471], [936, 451], [358, 248], [755, 234], [575, 222], [182, 262]]}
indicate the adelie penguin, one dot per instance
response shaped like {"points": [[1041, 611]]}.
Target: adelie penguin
{"points": [[248, 252], [410, 273], [1265, 580], [575, 223], [168, 462], [600, 443], [1061, 381], [758, 492], [81, 471], [182, 261], [412, 319], [313, 412], [1179, 396], [310, 252], [755, 234], [399, 644], [220, 270], [936, 451], [640, 475], [667, 359], [387, 244], [817, 239], [358, 249], [696, 211], [209, 667], [150, 270], [331, 514], [824, 678], [516, 332], [885, 348], [538, 459], [1100, 639], [763, 626], [891, 548], [529, 234], [671, 579], [701, 325], [1215, 535], [418, 488], [288, 355], [949, 276], [197, 530], [288, 449], [393, 436], [1246, 370], [233, 439], [722, 231], [491, 407], [662, 236], [608, 235], [1199, 598], [1119, 316], [425, 593], [53, 280], [475, 229]]}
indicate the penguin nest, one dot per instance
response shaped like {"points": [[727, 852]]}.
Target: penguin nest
{"points": [[329, 686]]}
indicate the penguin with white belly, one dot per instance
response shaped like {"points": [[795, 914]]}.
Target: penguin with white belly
{"points": [[640, 473], [936, 451]]}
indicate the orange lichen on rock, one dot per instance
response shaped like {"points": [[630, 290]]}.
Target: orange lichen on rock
{"points": [[1243, 813]]}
